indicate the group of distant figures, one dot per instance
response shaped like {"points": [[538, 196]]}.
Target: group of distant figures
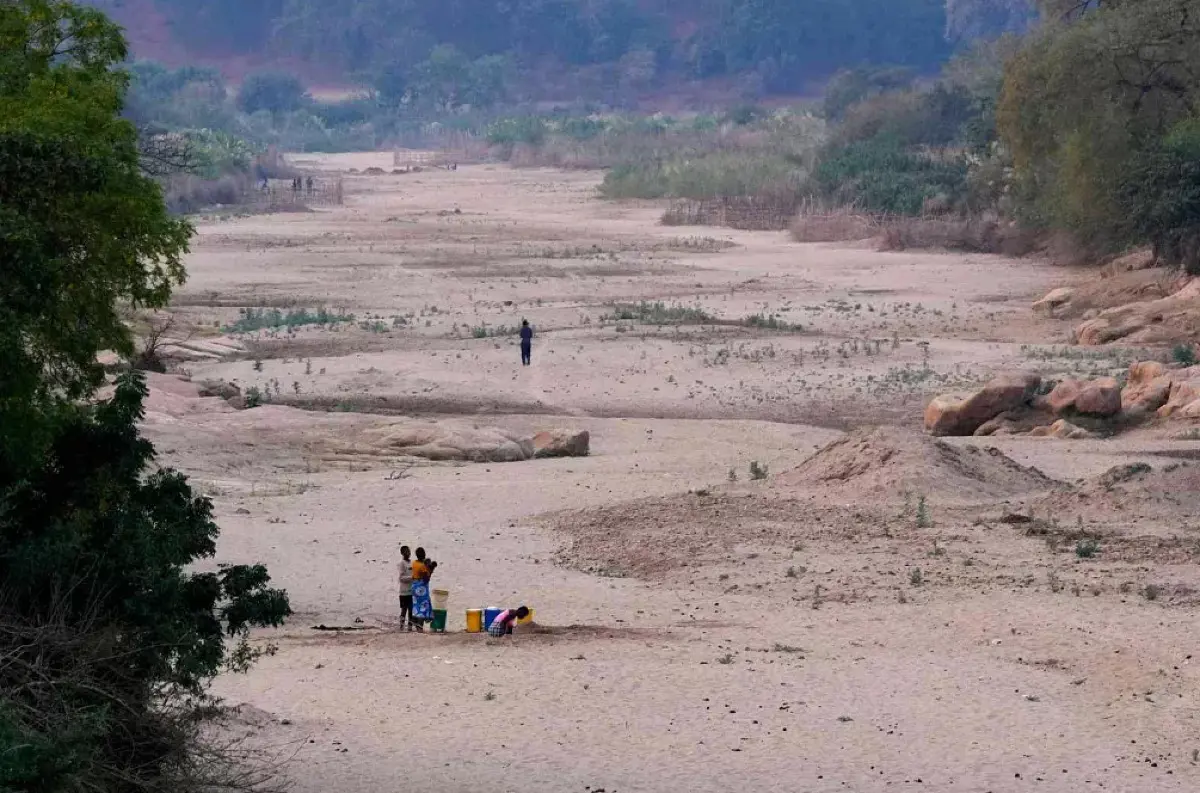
{"points": [[299, 185]]}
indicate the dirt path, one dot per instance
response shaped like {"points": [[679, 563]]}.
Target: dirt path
{"points": [[751, 637]]}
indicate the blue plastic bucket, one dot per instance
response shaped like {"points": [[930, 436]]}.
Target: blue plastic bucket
{"points": [[489, 615]]}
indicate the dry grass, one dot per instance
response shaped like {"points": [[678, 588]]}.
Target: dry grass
{"points": [[844, 224], [969, 235], [764, 212]]}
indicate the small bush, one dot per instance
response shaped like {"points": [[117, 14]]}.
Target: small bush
{"points": [[924, 520], [1184, 354], [254, 397], [916, 577], [758, 472], [1087, 548]]}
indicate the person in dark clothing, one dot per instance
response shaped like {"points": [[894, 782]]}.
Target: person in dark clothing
{"points": [[526, 342]]}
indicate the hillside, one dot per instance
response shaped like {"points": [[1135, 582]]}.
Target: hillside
{"points": [[775, 46]]}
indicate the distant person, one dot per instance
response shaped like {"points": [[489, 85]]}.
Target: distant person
{"points": [[422, 606], [505, 620], [309, 183], [406, 582], [526, 343]]}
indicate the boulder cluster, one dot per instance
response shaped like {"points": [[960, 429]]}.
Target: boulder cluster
{"points": [[1022, 404]]}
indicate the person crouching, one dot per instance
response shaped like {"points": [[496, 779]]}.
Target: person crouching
{"points": [[505, 620]]}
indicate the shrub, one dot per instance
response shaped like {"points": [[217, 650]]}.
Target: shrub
{"points": [[881, 176], [1184, 354], [110, 636], [274, 92]]}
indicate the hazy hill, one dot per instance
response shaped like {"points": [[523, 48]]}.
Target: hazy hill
{"points": [[779, 44]]}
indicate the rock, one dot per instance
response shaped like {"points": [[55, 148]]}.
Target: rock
{"points": [[1185, 389], [561, 443], [218, 388], [1166, 319], [1148, 388], [440, 441], [1101, 398], [952, 414], [995, 426], [1062, 399], [942, 414], [1054, 300], [1063, 430]]}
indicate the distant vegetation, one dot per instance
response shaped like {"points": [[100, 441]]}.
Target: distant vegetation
{"points": [[423, 52], [984, 127]]}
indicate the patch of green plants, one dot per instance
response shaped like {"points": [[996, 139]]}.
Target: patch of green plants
{"points": [[1087, 548], [255, 397], [758, 471], [1184, 354], [253, 319], [771, 322], [924, 519], [658, 313]]}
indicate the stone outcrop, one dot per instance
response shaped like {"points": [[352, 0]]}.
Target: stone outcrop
{"points": [[1054, 301], [561, 443], [1100, 398], [1166, 319], [1147, 390], [963, 414]]}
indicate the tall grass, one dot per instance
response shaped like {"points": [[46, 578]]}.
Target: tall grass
{"points": [[661, 157], [725, 173]]}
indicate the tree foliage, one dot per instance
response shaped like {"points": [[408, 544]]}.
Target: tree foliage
{"points": [[109, 635], [107, 640], [82, 230], [274, 92], [1090, 98]]}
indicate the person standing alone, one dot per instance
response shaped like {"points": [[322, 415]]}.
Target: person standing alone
{"points": [[526, 343]]}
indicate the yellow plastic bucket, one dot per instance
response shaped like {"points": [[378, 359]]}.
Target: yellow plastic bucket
{"points": [[440, 599], [474, 620], [527, 620]]}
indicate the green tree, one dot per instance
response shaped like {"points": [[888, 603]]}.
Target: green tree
{"points": [[109, 635], [1085, 98], [82, 231], [1160, 195]]}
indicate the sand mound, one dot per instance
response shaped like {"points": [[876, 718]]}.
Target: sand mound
{"points": [[1134, 493], [891, 463]]}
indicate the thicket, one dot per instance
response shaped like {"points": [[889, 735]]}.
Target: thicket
{"points": [[110, 631], [1099, 113]]}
